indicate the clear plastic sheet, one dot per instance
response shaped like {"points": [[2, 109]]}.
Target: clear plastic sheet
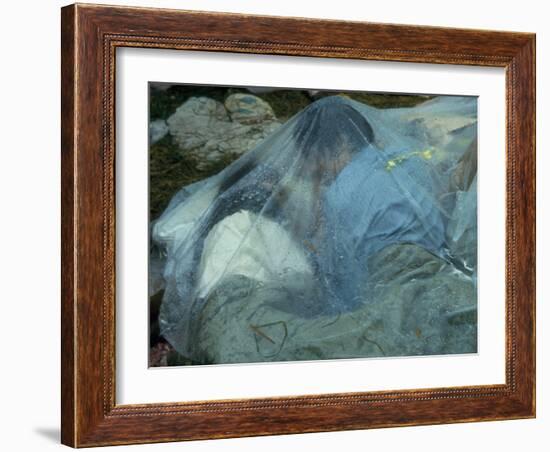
{"points": [[311, 243]]}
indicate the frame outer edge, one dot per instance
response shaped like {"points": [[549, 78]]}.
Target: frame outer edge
{"points": [[68, 230], [534, 225], [525, 62], [87, 420]]}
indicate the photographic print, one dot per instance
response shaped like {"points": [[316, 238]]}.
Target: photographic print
{"points": [[304, 224]]}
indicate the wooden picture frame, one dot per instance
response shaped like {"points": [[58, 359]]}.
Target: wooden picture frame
{"points": [[90, 36]]}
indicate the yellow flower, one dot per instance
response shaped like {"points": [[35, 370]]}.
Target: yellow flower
{"points": [[427, 154]]}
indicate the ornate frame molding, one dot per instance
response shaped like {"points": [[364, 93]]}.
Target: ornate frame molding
{"points": [[90, 36]]}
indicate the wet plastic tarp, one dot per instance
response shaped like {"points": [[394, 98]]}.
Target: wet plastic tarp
{"points": [[302, 215]]}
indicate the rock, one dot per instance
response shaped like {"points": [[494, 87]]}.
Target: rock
{"points": [[203, 127], [157, 130], [415, 304], [248, 109], [196, 120]]}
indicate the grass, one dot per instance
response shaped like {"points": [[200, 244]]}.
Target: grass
{"points": [[285, 103], [170, 170], [388, 100]]}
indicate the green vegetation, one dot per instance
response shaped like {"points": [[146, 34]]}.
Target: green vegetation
{"points": [[388, 100], [171, 169], [163, 103], [286, 103]]}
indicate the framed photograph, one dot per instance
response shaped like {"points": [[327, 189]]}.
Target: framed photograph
{"points": [[282, 225]]}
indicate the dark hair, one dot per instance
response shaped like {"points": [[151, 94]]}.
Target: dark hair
{"points": [[328, 123]]}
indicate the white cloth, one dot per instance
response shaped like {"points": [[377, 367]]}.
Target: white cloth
{"points": [[249, 245]]}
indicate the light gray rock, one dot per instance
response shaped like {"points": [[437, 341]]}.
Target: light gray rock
{"points": [[203, 127], [157, 130], [196, 121], [248, 109], [415, 304]]}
